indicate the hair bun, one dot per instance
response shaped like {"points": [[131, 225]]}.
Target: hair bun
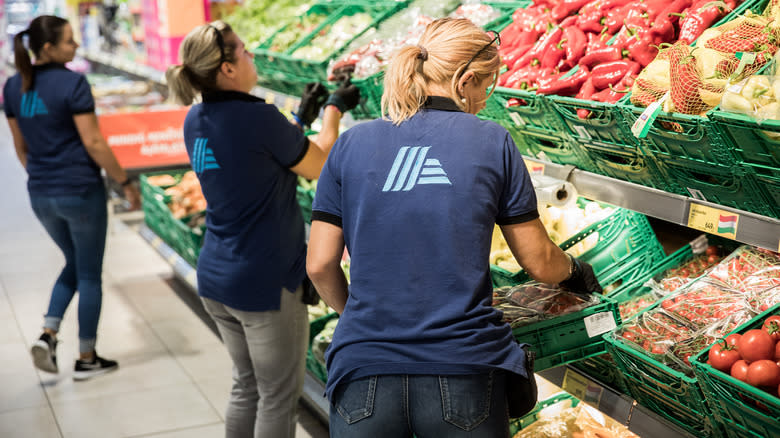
{"points": [[423, 53]]}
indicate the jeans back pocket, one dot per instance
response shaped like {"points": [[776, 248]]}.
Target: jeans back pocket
{"points": [[354, 400], [466, 399]]}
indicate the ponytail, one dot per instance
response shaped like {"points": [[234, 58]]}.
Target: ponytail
{"points": [[23, 62], [202, 53], [440, 60], [180, 84], [405, 84]]}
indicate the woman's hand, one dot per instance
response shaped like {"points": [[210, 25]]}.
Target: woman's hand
{"points": [[133, 196]]}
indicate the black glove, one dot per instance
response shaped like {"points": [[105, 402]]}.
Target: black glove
{"points": [[345, 98], [582, 278], [312, 99]]}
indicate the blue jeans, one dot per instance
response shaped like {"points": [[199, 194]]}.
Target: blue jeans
{"points": [[78, 225], [400, 406]]}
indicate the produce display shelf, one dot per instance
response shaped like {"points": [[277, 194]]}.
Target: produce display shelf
{"points": [[753, 229], [140, 70]]}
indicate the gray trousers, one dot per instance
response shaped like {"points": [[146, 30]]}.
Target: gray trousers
{"points": [[269, 361]]}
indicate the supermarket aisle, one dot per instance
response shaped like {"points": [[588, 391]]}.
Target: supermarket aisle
{"points": [[174, 373]]}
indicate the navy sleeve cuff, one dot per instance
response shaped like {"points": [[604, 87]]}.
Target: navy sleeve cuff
{"points": [[322, 216], [300, 156], [519, 219], [86, 111]]}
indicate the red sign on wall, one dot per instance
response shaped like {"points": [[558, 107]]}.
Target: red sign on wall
{"points": [[146, 139]]}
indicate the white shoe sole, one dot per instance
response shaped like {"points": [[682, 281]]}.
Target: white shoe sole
{"points": [[42, 357], [84, 375]]}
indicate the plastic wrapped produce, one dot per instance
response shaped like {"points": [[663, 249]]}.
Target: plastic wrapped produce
{"points": [[743, 263], [704, 303], [333, 37], [655, 332], [637, 304], [531, 302], [674, 278], [561, 420]]}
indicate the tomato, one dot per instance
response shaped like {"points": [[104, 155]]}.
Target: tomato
{"points": [[739, 370], [733, 339], [763, 373], [756, 345], [713, 259], [685, 272], [772, 326], [723, 357], [777, 352], [712, 250]]}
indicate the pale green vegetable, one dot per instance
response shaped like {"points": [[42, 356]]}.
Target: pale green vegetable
{"points": [[736, 103], [756, 87]]}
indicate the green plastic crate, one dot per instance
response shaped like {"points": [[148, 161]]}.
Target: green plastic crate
{"points": [[313, 365], [517, 424], [669, 393], [269, 62], [750, 142], [305, 198], [626, 163], [768, 181], [551, 146], [184, 240], [732, 186], [605, 124], [602, 369], [695, 423], [534, 111], [755, 411], [565, 339], [623, 236]]}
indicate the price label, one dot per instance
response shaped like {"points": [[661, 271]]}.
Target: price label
{"points": [[644, 122], [599, 323], [583, 132], [534, 168], [714, 221], [581, 387], [270, 98], [289, 104]]}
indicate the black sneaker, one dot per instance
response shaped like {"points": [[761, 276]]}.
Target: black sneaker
{"points": [[44, 353], [85, 369]]}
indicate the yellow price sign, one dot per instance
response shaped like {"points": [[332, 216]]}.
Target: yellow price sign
{"points": [[270, 98], [289, 104], [534, 168], [713, 220], [581, 387]]}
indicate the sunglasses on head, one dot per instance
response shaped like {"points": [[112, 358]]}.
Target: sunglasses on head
{"points": [[496, 39], [220, 44]]}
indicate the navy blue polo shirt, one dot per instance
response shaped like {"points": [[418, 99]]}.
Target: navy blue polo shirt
{"points": [[57, 161], [417, 204], [242, 149]]}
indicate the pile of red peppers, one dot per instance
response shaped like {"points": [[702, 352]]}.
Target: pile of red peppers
{"points": [[608, 42]]}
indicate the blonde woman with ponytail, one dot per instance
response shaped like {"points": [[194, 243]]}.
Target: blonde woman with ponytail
{"points": [[251, 269], [51, 113], [419, 350]]}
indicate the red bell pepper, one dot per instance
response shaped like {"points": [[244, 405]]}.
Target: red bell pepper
{"points": [[607, 54], [511, 58], [565, 8], [554, 55], [590, 17], [617, 16], [613, 72], [698, 18], [683, 71], [563, 87], [587, 90], [673, 11], [607, 5], [576, 43], [596, 41]]}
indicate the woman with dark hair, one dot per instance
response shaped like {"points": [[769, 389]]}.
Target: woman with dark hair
{"points": [[51, 113]]}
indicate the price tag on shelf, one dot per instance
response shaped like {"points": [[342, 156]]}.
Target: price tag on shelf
{"points": [[581, 387], [270, 98], [534, 168], [714, 221], [599, 323]]}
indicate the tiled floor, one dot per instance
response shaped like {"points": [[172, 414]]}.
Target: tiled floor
{"points": [[174, 373]]}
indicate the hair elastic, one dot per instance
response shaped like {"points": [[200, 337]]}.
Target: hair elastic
{"points": [[423, 53]]}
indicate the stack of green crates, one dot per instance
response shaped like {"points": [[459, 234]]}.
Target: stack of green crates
{"points": [[182, 238], [744, 410], [282, 72]]}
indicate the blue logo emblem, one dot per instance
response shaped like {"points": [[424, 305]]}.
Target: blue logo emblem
{"points": [[203, 157], [32, 105], [411, 168]]}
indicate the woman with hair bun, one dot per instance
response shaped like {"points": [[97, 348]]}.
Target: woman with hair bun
{"points": [[51, 113], [419, 349]]}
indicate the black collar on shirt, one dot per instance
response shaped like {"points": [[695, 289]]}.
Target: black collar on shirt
{"points": [[225, 95], [49, 66], [441, 103]]}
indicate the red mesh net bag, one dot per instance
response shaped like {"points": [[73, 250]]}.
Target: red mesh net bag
{"points": [[748, 33], [653, 82]]}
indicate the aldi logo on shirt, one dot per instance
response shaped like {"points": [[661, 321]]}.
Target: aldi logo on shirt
{"points": [[203, 157], [32, 105], [412, 167]]}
